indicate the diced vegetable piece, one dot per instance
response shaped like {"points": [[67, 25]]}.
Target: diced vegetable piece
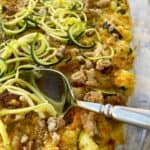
{"points": [[86, 142], [69, 137], [126, 34], [49, 146], [124, 78], [113, 5]]}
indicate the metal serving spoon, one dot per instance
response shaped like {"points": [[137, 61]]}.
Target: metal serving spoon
{"points": [[58, 91]]}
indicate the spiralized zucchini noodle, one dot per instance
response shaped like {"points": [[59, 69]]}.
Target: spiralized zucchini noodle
{"points": [[54, 17], [20, 54], [62, 20]]}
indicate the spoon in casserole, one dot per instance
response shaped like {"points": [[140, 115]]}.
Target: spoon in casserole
{"points": [[56, 88]]}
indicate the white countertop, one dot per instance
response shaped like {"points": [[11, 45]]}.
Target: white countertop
{"points": [[139, 139]]}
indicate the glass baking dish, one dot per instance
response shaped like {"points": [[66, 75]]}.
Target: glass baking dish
{"points": [[138, 138]]}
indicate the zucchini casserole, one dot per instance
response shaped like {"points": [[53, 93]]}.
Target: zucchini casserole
{"points": [[88, 41]]}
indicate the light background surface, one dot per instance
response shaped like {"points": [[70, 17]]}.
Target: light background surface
{"points": [[137, 138]]}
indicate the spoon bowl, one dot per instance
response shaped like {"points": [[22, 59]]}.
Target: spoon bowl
{"points": [[55, 86]]}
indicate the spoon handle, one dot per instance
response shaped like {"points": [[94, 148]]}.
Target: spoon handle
{"points": [[136, 116]]}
